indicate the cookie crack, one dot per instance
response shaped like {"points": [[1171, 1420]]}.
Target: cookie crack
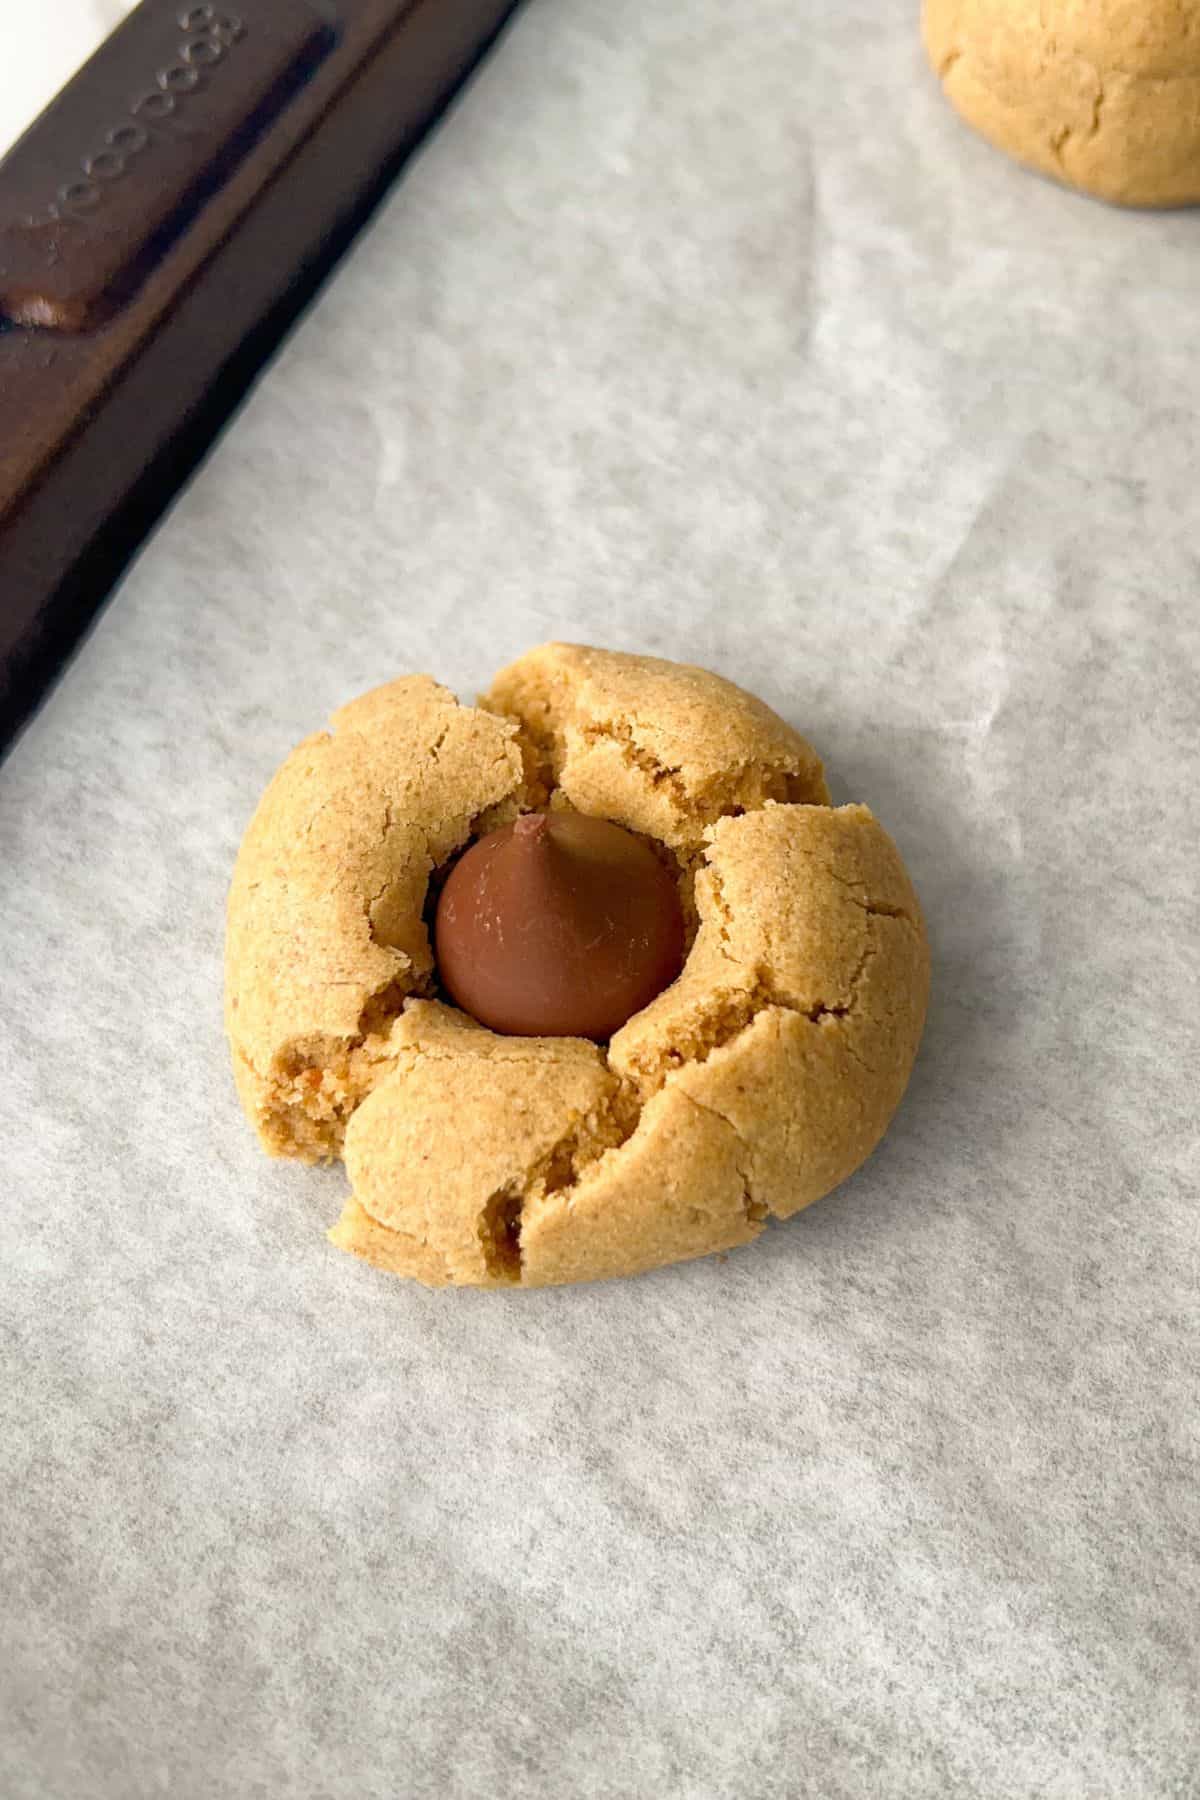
{"points": [[1097, 109], [756, 1211], [371, 901], [247, 1062], [826, 1009], [723, 796], [499, 1231], [346, 1239], [660, 774], [739, 1010], [584, 1140], [722, 908], [557, 1173], [855, 889]]}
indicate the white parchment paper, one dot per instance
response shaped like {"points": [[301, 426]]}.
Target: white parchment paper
{"points": [[706, 332]]}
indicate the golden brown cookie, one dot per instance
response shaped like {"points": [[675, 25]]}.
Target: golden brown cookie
{"points": [[752, 1085], [1101, 94], [326, 935]]}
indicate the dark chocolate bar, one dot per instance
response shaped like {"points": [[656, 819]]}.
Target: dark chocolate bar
{"points": [[160, 225]]}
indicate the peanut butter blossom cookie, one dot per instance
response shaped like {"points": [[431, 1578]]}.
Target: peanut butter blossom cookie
{"points": [[579, 981], [1101, 94]]}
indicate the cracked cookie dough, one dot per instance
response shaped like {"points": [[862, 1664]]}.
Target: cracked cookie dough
{"points": [[1101, 94], [757, 1081]]}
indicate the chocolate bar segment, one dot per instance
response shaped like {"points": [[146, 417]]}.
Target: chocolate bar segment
{"points": [[99, 425], [92, 195]]}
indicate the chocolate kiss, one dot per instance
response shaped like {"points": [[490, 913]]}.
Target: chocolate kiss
{"points": [[558, 925]]}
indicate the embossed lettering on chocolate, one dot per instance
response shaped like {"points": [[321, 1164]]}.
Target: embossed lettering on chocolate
{"points": [[92, 195]]}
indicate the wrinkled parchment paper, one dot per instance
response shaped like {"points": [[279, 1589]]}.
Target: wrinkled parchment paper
{"points": [[708, 333]]}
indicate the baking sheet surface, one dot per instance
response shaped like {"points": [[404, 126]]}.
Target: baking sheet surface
{"points": [[712, 334]]}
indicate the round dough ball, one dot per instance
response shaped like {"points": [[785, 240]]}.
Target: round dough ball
{"points": [[1103, 95], [757, 1081]]}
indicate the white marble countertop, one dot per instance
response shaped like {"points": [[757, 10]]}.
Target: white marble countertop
{"points": [[705, 331]]}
